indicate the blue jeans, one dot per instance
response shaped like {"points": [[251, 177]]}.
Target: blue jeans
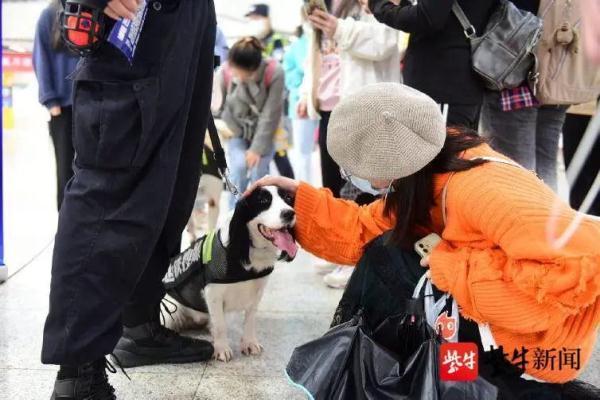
{"points": [[236, 160], [529, 135], [304, 144]]}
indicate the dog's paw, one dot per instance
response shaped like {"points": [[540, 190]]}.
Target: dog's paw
{"points": [[251, 347], [222, 352]]}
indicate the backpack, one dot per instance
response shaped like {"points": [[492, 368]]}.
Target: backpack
{"points": [[566, 76], [267, 79], [504, 55]]}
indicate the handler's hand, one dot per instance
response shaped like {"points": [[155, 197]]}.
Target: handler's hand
{"points": [[324, 21], [425, 262], [287, 184], [117, 9]]}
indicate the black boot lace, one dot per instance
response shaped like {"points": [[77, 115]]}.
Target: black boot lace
{"points": [[94, 379], [164, 306]]}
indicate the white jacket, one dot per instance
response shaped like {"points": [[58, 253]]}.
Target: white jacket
{"points": [[369, 52]]}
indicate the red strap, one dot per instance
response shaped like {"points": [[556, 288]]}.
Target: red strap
{"points": [[227, 76], [270, 71]]}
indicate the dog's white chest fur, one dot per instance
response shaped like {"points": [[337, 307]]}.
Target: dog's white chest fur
{"points": [[237, 296]]}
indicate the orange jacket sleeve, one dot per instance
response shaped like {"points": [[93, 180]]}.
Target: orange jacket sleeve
{"points": [[334, 229]]}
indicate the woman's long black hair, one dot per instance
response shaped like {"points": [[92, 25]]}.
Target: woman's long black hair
{"points": [[413, 197]]}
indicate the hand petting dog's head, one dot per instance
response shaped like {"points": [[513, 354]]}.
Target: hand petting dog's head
{"points": [[264, 219]]}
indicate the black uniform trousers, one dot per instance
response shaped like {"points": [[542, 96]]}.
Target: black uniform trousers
{"points": [[138, 131], [61, 131], [284, 166]]}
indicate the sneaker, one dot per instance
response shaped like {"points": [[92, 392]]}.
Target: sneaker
{"points": [[339, 278], [85, 382], [323, 267], [152, 343]]}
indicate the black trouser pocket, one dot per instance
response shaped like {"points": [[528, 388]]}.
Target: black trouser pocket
{"points": [[113, 122]]}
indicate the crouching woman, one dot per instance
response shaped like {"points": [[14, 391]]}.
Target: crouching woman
{"points": [[495, 258]]}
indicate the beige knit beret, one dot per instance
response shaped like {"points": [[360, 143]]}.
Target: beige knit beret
{"points": [[385, 131]]}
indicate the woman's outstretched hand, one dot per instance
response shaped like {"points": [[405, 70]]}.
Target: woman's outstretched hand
{"points": [[287, 184]]}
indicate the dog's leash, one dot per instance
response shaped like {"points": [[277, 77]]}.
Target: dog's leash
{"points": [[220, 158]]}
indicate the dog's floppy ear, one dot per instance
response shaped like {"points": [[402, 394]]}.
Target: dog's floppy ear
{"points": [[238, 249]]}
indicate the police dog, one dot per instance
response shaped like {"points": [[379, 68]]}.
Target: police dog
{"points": [[228, 270]]}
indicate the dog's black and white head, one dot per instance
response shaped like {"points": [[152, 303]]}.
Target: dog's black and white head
{"points": [[261, 229]]}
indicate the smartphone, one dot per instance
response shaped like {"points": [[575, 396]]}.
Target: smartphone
{"points": [[310, 5], [425, 246]]}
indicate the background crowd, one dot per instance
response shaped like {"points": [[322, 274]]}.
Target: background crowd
{"points": [[273, 96]]}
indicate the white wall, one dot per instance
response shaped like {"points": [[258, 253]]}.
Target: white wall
{"points": [[19, 20]]}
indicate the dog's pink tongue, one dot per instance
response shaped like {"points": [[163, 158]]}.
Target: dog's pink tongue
{"points": [[285, 242]]}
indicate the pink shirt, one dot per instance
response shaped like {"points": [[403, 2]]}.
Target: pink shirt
{"points": [[329, 81]]}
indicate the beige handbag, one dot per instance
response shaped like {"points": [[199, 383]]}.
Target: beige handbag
{"points": [[566, 75]]}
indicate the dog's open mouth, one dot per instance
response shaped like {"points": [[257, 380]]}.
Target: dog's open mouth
{"points": [[281, 238]]}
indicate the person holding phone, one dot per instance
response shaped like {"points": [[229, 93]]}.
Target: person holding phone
{"points": [[494, 257], [348, 49], [354, 50]]}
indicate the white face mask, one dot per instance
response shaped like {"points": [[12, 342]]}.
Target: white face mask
{"points": [[259, 28], [365, 186]]}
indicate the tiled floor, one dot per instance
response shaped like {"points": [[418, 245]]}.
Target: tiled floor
{"points": [[296, 308], [29, 182]]}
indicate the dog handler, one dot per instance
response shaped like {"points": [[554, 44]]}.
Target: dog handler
{"points": [[494, 258], [136, 174]]}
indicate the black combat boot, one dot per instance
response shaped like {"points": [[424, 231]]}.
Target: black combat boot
{"points": [[152, 343], [84, 382]]}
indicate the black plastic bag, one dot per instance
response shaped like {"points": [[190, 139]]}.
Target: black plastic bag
{"points": [[346, 363], [403, 334], [398, 361]]}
